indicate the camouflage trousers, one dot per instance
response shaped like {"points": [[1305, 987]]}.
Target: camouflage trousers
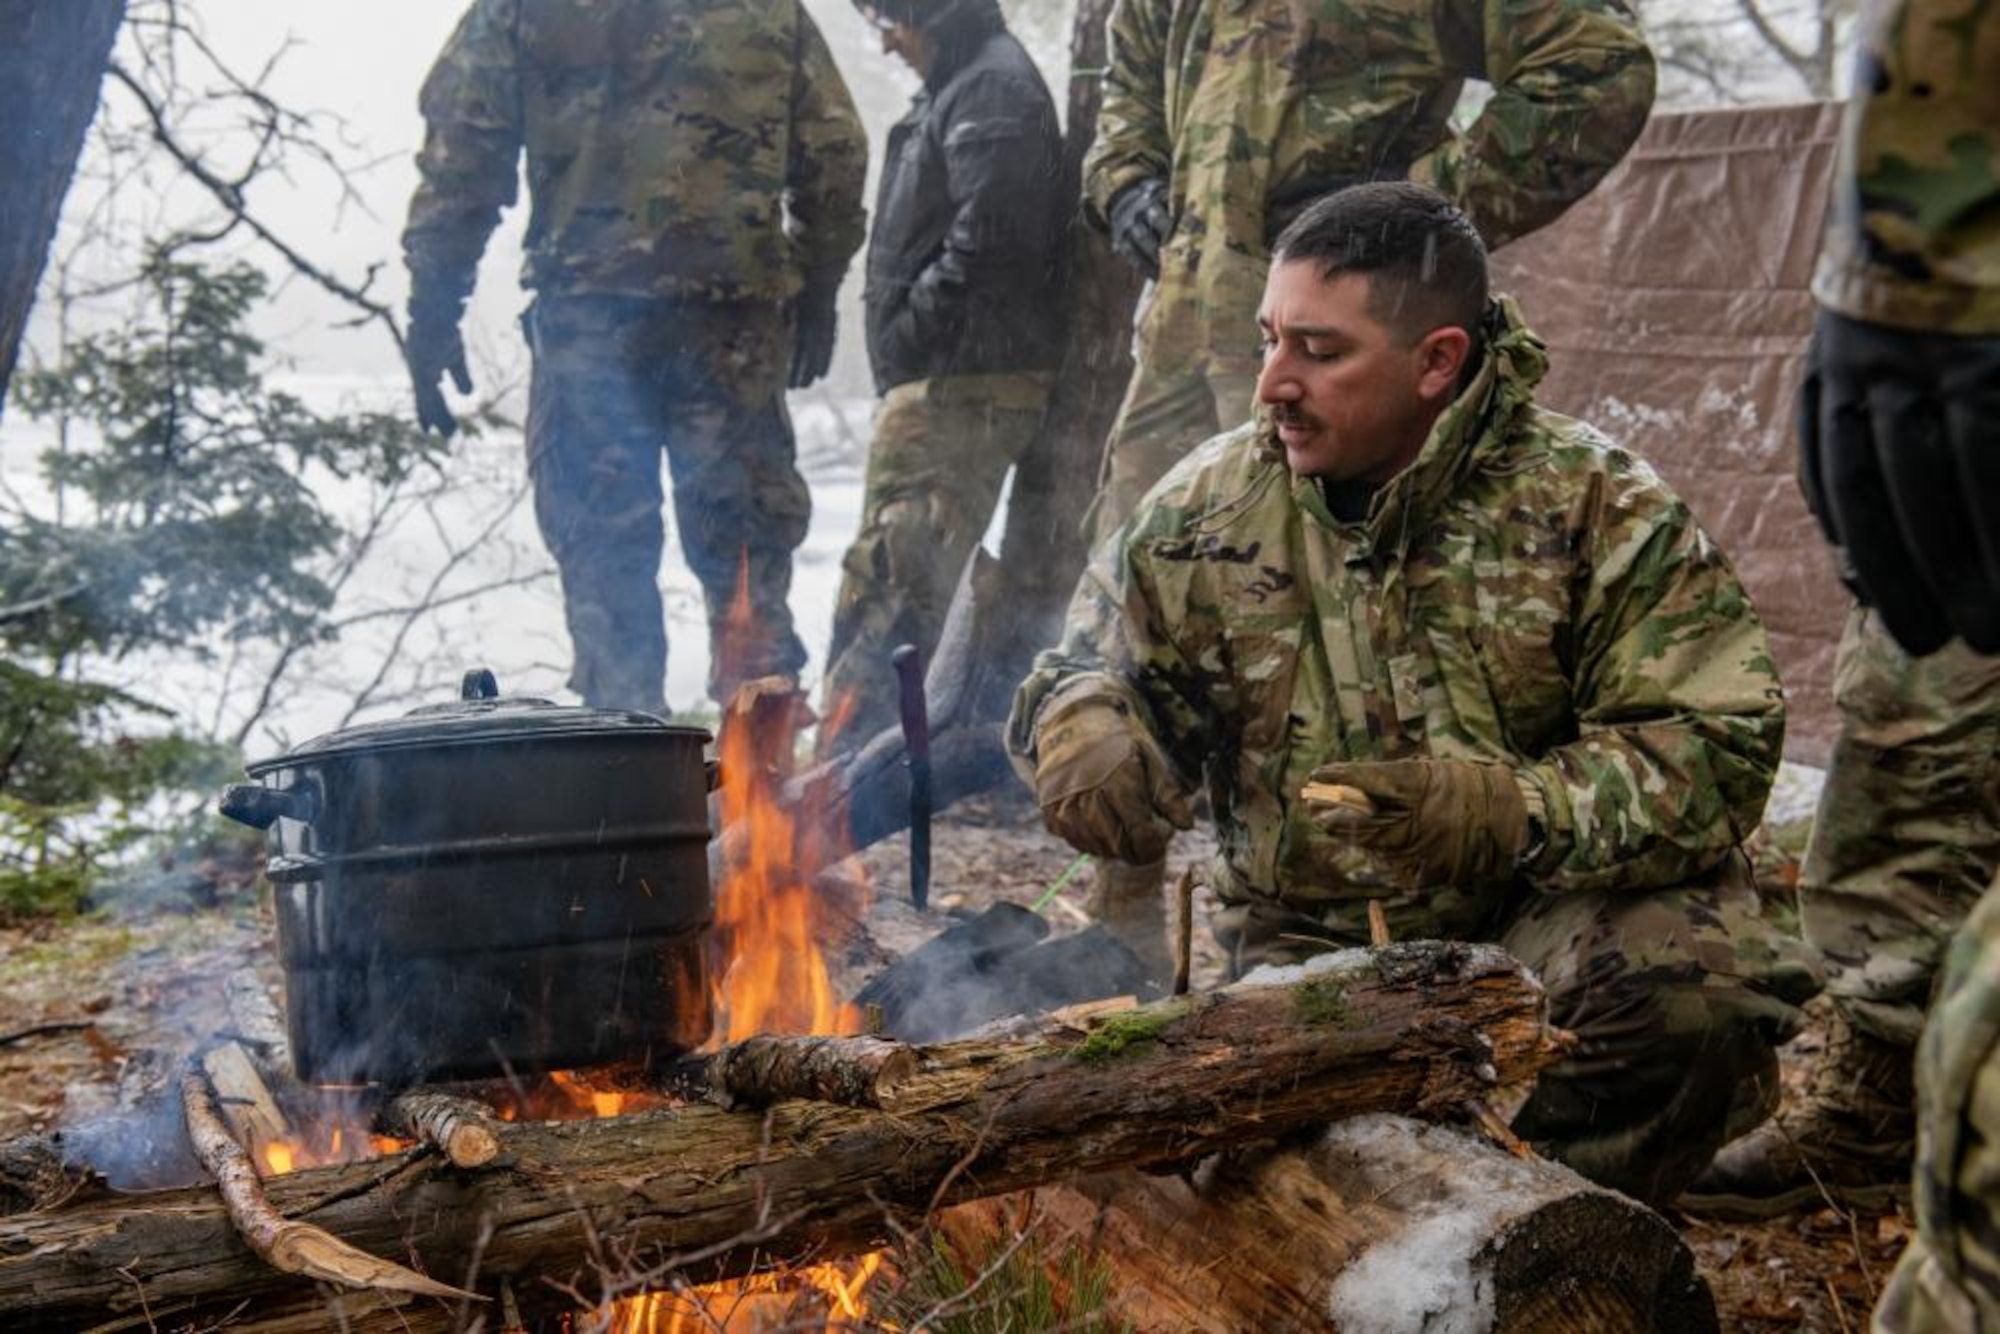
{"points": [[940, 453], [617, 382], [1948, 1280], [1169, 408], [1907, 835], [1679, 999]]}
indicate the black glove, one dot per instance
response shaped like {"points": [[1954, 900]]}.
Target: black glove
{"points": [[433, 349], [1899, 462], [815, 320], [1140, 224]]}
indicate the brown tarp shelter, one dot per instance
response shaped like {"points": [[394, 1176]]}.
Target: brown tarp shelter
{"points": [[1674, 300]]}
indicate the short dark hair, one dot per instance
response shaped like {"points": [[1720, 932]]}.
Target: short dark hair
{"points": [[1424, 260]]}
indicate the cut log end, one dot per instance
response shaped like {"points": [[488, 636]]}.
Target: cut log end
{"points": [[1383, 1223], [463, 1130]]}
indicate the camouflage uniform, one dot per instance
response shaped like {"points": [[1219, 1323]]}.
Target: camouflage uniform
{"points": [[1524, 593], [940, 453], [1907, 836], [1913, 241], [691, 166], [1250, 110]]}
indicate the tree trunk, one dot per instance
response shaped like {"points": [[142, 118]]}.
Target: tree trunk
{"points": [[1382, 1224], [51, 65], [1414, 1028]]}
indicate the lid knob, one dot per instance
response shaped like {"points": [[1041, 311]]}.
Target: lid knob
{"points": [[479, 683]]}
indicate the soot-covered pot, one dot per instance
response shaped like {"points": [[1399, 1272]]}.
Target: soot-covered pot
{"points": [[489, 885]]}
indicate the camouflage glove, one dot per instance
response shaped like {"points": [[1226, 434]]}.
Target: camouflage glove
{"points": [[1140, 224], [815, 320], [1103, 783], [432, 349], [1899, 463], [1431, 822]]}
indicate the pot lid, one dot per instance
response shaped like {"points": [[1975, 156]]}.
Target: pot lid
{"points": [[481, 714]]}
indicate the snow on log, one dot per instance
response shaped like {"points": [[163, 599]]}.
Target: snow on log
{"points": [[1380, 1225]]}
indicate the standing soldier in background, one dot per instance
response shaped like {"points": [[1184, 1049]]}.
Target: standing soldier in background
{"points": [[961, 303], [1905, 840], [1222, 121], [1899, 421], [1903, 409], [694, 175]]}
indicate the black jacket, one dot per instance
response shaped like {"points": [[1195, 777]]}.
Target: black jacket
{"points": [[962, 258]]}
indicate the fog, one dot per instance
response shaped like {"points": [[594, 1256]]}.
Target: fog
{"points": [[357, 68]]}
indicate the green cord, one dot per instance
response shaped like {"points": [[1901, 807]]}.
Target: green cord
{"points": [[1049, 894]]}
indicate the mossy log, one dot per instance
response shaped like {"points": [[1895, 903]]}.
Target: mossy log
{"points": [[1419, 1027]]}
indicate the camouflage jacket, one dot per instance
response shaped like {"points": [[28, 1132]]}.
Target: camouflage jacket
{"points": [[1525, 592], [1250, 109], [1948, 1281], [1913, 230], [669, 147]]}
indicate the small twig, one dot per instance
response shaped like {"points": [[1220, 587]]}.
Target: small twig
{"points": [[44, 1030], [1839, 1307], [1055, 887], [1500, 1132], [286, 1245], [1184, 931], [1378, 924]]}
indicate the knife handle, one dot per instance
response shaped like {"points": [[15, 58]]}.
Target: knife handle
{"points": [[909, 662]]}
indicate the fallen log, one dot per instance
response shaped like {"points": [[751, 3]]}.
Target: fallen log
{"points": [[1383, 1225], [1418, 1027]]}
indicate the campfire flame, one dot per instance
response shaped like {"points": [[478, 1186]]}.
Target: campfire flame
{"points": [[774, 1300], [773, 978], [333, 1136], [769, 919]]}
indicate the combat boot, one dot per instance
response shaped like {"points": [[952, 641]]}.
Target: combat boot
{"points": [[1130, 902], [1849, 1139]]}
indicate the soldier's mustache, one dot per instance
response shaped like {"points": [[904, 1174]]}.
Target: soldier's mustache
{"points": [[1290, 414]]}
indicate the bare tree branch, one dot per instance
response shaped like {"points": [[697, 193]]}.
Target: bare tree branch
{"points": [[231, 197]]}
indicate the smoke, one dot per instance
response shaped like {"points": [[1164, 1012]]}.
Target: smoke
{"points": [[996, 965]]}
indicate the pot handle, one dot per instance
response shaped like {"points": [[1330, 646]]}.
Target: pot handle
{"points": [[260, 807], [479, 683], [712, 771]]}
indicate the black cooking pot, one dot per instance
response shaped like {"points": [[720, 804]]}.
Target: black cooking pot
{"points": [[490, 886]]}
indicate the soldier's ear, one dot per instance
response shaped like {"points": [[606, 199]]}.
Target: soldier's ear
{"points": [[1440, 357]]}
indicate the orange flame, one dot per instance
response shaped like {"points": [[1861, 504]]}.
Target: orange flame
{"points": [[325, 1143], [770, 928], [830, 1296], [769, 919]]}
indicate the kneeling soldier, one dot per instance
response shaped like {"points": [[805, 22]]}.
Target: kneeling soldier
{"points": [[1551, 701]]}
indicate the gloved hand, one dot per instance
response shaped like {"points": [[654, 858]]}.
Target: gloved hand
{"points": [[1431, 822], [815, 320], [432, 349], [1899, 460], [1103, 783], [1140, 224]]}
